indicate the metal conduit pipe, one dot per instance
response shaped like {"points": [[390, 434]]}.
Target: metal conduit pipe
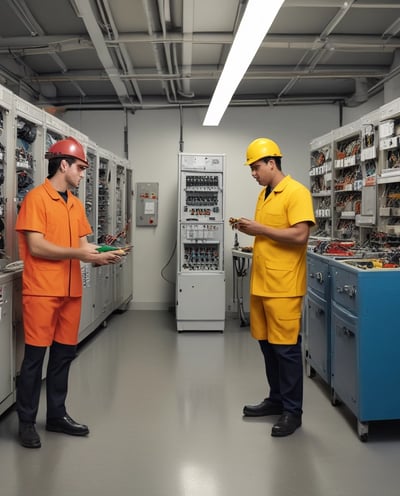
{"points": [[159, 103], [164, 15], [150, 15], [184, 86], [121, 51], [84, 8], [317, 53], [24, 45], [28, 20]]}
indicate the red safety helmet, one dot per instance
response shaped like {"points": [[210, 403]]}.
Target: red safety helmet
{"points": [[68, 147]]}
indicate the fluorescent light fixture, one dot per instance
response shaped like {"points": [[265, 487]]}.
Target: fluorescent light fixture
{"points": [[254, 26]]}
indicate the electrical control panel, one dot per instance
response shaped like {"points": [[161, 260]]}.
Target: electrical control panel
{"points": [[119, 198], [200, 248], [29, 151], [201, 197], [321, 183], [389, 180], [29, 147], [6, 153], [90, 192], [146, 204], [104, 198]]}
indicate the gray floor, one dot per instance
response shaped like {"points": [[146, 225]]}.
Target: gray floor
{"points": [[164, 409]]}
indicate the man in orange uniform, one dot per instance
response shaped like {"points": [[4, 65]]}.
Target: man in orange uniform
{"points": [[284, 214], [52, 229]]}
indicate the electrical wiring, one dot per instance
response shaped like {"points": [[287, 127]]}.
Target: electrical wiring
{"points": [[166, 265], [13, 266]]}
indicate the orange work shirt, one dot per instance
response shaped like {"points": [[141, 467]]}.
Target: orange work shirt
{"points": [[63, 223]]}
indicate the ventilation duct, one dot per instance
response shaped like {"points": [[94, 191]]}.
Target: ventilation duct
{"points": [[360, 94]]}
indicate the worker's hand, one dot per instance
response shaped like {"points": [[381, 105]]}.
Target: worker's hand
{"points": [[109, 257], [233, 221], [90, 254], [250, 227]]}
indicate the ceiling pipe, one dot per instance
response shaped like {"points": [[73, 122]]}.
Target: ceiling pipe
{"points": [[392, 30], [159, 102], [60, 43], [25, 16], [162, 12], [145, 106], [394, 73], [122, 53], [337, 3], [207, 73], [150, 15], [186, 48], [317, 51], [90, 21], [28, 20]]}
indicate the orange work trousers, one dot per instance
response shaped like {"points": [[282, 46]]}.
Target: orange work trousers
{"points": [[51, 318]]}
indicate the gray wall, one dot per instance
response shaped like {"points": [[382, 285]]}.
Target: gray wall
{"points": [[153, 138]]}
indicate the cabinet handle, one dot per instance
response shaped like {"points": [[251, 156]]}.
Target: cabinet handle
{"points": [[318, 276], [320, 311], [349, 290], [347, 332]]}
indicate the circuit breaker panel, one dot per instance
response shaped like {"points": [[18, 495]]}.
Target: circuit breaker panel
{"points": [[200, 297], [6, 155], [146, 204], [103, 198], [90, 193]]}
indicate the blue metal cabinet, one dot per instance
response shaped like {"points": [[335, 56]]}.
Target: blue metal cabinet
{"points": [[344, 357], [318, 337], [318, 274], [365, 341], [317, 317]]}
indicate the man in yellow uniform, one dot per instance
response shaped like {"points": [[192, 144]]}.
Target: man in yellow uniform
{"points": [[284, 214], [52, 229]]}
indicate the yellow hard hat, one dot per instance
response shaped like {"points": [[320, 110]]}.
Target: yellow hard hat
{"points": [[260, 148]]}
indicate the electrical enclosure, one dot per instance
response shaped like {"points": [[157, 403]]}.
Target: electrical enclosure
{"points": [[200, 288]]}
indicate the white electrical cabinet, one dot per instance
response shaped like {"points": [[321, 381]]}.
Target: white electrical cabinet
{"points": [[107, 196], [200, 285], [7, 356], [7, 153]]}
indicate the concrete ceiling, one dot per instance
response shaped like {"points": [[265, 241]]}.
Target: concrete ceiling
{"points": [[143, 54]]}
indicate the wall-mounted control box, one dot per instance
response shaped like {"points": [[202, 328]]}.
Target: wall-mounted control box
{"points": [[146, 204]]}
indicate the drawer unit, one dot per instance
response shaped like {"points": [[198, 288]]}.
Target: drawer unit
{"points": [[345, 357], [344, 287], [363, 339], [318, 274], [317, 317], [318, 348]]}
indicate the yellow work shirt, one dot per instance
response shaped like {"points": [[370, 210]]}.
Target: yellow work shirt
{"points": [[44, 211], [279, 269]]}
